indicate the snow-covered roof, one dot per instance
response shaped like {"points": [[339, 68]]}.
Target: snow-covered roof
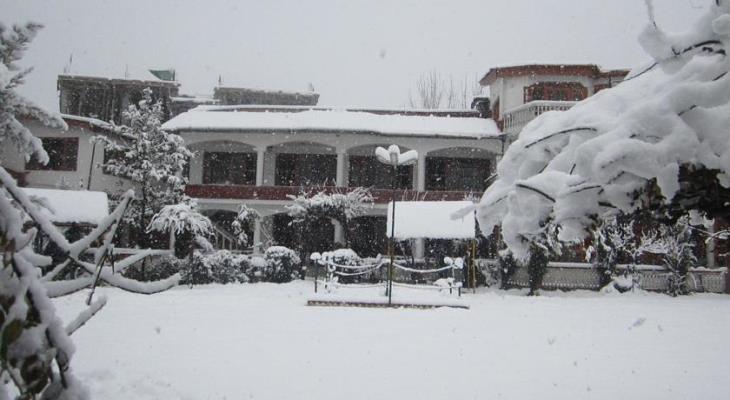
{"points": [[333, 121], [432, 220], [71, 206]]}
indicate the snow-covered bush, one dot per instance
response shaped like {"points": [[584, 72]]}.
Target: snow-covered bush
{"points": [[657, 141], [283, 264], [184, 221], [674, 243], [340, 205], [245, 217], [220, 266], [507, 268], [343, 257], [536, 268], [160, 268]]}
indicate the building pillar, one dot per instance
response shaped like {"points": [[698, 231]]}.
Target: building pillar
{"points": [[421, 175], [260, 154], [419, 248], [339, 232], [257, 245], [341, 179], [710, 248]]}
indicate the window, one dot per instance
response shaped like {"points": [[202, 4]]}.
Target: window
{"points": [[469, 174], [305, 169], [555, 91], [367, 171], [229, 168], [62, 155]]}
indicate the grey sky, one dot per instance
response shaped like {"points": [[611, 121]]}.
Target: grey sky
{"points": [[357, 52]]}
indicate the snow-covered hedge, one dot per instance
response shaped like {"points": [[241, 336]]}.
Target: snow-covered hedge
{"points": [[279, 264], [657, 140], [282, 264]]}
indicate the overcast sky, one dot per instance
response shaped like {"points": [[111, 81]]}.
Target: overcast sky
{"points": [[354, 53]]}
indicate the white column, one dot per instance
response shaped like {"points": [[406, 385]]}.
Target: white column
{"points": [[421, 184], [260, 166], [341, 169], [339, 232], [419, 248], [257, 237], [710, 248]]}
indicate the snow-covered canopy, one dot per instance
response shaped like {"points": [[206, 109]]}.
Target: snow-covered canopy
{"points": [[597, 158], [333, 121], [71, 206], [432, 220]]}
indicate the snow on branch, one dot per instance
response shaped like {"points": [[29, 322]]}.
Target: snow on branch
{"points": [[631, 142]]}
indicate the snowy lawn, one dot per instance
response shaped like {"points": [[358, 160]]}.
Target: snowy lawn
{"points": [[261, 342]]}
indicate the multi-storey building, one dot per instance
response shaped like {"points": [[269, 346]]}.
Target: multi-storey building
{"points": [[261, 155], [518, 94]]}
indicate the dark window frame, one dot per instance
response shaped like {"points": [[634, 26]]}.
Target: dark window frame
{"points": [[229, 168], [63, 155]]}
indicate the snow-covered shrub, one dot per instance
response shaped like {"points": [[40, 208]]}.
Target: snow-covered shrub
{"points": [[507, 268], [257, 268], [657, 141], [346, 257], [220, 266], [674, 243], [341, 205], [283, 264], [245, 217], [161, 268], [536, 268], [487, 274], [184, 221]]}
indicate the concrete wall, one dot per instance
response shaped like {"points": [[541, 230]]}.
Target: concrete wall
{"points": [[77, 179]]}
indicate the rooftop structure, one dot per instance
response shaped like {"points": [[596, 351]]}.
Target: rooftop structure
{"points": [[105, 98], [518, 94], [235, 95]]}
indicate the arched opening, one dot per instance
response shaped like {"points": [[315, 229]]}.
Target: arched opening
{"points": [[366, 171], [305, 237], [223, 163], [223, 235], [458, 168], [369, 236], [304, 164]]}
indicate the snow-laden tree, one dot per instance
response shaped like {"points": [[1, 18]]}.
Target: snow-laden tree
{"points": [[152, 158], [674, 244], [13, 42], [244, 218], [185, 222], [658, 141], [35, 347], [341, 206]]}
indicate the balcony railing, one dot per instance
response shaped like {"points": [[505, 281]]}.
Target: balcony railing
{"points": [[516, 118], [380, 196]]}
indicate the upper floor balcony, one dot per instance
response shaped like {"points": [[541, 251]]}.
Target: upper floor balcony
{"points": [[226, 170], [516, 119]]}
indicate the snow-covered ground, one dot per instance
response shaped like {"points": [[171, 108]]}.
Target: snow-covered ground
{"points": [[261, 342]]}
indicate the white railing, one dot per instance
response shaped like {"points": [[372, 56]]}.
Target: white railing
{"points": [[516, 118], [224, 240]]}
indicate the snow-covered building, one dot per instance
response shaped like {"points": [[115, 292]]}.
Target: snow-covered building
{"points": [[73, 158], [259, 155], [519, 93]]}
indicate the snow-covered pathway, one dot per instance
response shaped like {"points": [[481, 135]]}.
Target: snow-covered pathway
{"points": [[261, 342]]}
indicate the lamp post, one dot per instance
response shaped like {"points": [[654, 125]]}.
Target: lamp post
{"points": [[393, 157]]}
